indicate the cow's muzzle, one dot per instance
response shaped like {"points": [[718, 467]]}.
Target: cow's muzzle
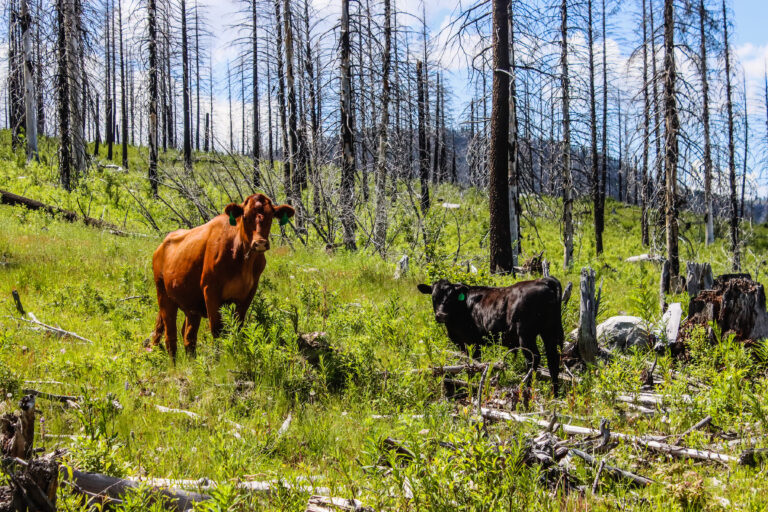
{"points": [[260, 245], [441, 318]]}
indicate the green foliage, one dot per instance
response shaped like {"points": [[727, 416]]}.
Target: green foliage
{"points": [[242, 387]]}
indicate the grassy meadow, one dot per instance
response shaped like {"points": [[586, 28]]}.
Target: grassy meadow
{"points": [[100, 286]]}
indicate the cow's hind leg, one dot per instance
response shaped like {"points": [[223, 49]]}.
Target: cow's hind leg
{"points": [[553, 340], [157, 334], [168, 310], [530, 349], [191, 324]]}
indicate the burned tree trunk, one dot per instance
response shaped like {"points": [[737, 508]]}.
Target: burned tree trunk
{"points": [[153, 94], [423, 158], [671, 128], [380, 225], [498, 154], [185, 92], [30, 103], [566, 164], [734, 212], [587, 334], [347, 135], [698, 278]]}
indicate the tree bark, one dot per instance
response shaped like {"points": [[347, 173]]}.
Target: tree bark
{"points": [[593, 160], [734, 211], [498, 152], [65, 144], [185, 93], [423, 155], [153, 95], [671, 128], [30, 99], [566, 144], [709, 236], [255, 72], [123, 92], [587, 334], [347, 135], [380, 221], [513, 159]]}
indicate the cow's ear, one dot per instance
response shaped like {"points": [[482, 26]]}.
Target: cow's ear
{"points": [[283, 213], [463, 291], [425, 288], [233, 210]]}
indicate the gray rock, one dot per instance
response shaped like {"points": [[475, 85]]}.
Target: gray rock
{"points": [[623, 333]]}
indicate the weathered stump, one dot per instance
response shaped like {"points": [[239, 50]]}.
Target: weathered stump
{"points": [[736, 304], [698, 277], [587, 334]]}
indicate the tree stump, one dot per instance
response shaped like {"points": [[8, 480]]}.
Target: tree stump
{"points": [[663, 286], [587, 335], [698, 277], [736, 304]]}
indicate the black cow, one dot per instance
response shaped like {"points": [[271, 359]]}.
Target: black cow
{"points": [[516, 314]]}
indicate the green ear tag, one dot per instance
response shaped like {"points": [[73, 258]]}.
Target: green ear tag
{"points": [[462, 296], [284, 219], [232, 220]]}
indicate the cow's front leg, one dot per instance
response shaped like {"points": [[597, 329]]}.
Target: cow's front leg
{"points": [[213, 306]]}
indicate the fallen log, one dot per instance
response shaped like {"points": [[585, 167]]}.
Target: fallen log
{"points": [[12, 199], [328, 504], [653, 445], [616, 472], [197, 417], [55, 330], [103, 489], [65, 399], [645, 257], [698, 425]]}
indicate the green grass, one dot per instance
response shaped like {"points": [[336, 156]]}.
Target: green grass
{"points": [[85, 281]]}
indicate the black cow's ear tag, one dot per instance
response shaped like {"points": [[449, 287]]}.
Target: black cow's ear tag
{"points": [[232, 220], [462, 297], [284, 219]]}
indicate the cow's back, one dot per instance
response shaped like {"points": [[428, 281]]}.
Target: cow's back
{"points": [[178, 266]]}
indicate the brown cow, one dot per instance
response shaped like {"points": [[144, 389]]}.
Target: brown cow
{"points": [[198, 270]]}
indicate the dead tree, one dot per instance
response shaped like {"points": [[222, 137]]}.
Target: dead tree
{"points": [[380, 222], [153, 94], [423, 152], [593, 161], [566, 144], [498, 153], [30, 99], [709, 237], [255, 84], [587, 334], [734, 211], [347, 135], [185, 90], [123, 92], [671, 128], [63, 107]]}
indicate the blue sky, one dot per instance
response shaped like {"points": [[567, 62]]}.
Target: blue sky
{"points": [[751, 21]]}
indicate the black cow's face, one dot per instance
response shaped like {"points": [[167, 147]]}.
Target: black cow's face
{"points": [[447, 298]]}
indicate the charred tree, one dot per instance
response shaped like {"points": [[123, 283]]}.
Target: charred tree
{"points": [[498, 152], [153, 94], [734, 210], [380, 220], [347, 135], [423, 155], [671, 128]]}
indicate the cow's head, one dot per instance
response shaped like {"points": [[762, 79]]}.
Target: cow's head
{"points": [[254, 219], [447, 298]]}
